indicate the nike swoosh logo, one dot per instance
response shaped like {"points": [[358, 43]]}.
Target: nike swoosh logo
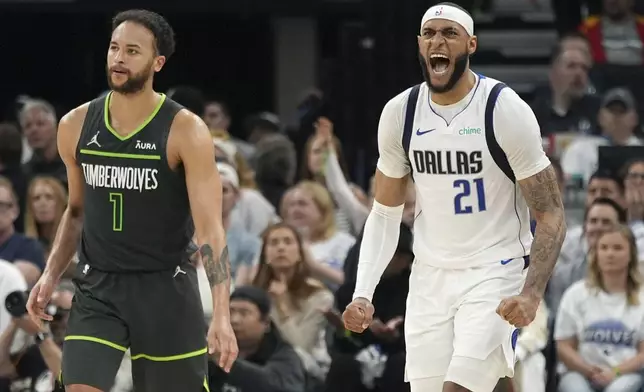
{"points": [[420, 133], [504, 262]]}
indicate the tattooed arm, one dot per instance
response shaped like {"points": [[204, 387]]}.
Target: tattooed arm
{"points": [[541, 192], [193, 144], [518, 133]]}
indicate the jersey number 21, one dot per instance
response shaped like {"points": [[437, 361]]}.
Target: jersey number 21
{"points": [[464, 200]]}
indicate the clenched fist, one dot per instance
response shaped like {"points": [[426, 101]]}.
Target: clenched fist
{"points": [[358, 315], [519, 310]]}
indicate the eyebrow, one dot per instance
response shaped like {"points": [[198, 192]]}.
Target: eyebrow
{"points": [[135, 46], [445, 29]]}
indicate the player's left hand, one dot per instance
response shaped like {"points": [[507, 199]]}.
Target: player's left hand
{"points": [[519, 310], [222, 342]]}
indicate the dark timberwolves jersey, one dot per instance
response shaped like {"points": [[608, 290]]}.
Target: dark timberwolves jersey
{"points": [[137, 214]]}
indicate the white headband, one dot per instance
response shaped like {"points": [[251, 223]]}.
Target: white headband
{"points": [[449, 12]]}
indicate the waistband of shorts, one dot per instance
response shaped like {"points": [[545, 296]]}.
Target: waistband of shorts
{"points": [[135, 271]]}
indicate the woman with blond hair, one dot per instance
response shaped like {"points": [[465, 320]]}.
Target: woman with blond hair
{"points": [[599, 328], [308, 207], [46, 202]]}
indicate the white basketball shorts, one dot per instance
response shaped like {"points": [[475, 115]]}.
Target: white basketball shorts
{"points": [[451, 314]]}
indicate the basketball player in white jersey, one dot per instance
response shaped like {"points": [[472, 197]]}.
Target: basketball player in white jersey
{"points": [[473, 149]]}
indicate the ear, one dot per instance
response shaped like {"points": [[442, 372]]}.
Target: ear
{"points": [[472, 45], [159, 62]]}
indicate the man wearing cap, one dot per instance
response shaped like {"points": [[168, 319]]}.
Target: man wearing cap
{"points": [[266, 363], [617, 120], [473, 149]]}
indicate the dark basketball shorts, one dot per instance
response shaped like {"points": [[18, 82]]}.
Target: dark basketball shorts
{"points": [[157, 316]]}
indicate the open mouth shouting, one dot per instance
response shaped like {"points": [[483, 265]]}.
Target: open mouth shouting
{"points": [[439, 63]]}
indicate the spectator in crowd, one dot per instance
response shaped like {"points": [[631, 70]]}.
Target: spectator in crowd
{"points": [[602, 215], [11, 166], [11, 280], [266, 362], [260, 125], [38, 122], [38, 363], [575, 40], [617, 35], [349, 370], [275, 167], [46, 202], [308, 207], [599, 323], [243, 247], [312, 167], [618, 121], [298, 300], [252, 211], [603, 183], [633, 174], [217, 117], [189, 97], [565, 105], [24, 252]]}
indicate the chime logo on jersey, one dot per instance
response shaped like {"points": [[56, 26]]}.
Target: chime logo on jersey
{"points": [[119, 177]]}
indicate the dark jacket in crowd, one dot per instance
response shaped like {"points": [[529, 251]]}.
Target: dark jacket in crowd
{"points": [[275, 165], [389, 299], [275, 367]]}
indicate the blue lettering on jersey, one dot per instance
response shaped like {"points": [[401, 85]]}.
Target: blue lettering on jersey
{"points": [[609, 331], [447, 162], [465, 188]]}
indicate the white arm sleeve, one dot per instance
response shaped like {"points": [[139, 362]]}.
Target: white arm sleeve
{"points": [[382, 229], [517, 132], [393, 161], [379, 243]]}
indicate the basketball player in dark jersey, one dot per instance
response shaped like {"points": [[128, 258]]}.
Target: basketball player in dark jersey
{"points": [[138, 164]]}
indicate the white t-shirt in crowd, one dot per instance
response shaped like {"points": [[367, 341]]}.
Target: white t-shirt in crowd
{"points": [[607, 328], [11, 280], [333, 250]]}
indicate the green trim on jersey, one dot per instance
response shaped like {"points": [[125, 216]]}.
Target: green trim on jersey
{"points": [[106, 114]]}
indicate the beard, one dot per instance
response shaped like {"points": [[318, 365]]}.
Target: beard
{"points": [[133, 84], [460, 66]]}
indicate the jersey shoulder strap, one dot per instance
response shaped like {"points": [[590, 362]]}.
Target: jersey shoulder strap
{"points": [[498, 155], [93, 123], [408, 125]]}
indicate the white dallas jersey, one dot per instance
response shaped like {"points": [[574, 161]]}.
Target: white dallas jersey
{"points": [[469, 212], [607, 328]]}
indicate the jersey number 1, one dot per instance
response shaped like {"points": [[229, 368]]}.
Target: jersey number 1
{"points": [[117, 211], [466, 189]]}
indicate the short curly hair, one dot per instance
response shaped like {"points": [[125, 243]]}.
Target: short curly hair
{"points": [[158, 26]]}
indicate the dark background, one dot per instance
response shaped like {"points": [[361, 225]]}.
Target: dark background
{"points": [[56, 50]]}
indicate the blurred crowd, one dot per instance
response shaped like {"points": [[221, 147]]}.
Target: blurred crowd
{"points": [[294, 220]]}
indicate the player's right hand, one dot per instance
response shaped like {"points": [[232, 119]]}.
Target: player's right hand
{"points": [[39, 298], [358, 315]]}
